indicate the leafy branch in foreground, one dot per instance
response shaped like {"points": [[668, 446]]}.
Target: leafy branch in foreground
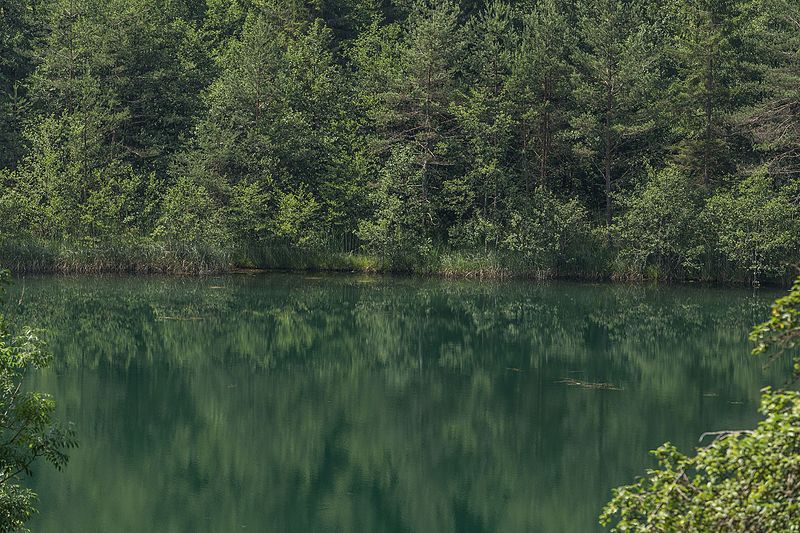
{"points": [[782, 330], [27, 429], [744, 480]]}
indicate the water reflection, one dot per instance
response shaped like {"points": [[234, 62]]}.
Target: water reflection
{"points": [[299, 403]]}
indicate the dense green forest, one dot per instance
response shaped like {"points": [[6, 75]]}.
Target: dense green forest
{"points": [[597, 138]]}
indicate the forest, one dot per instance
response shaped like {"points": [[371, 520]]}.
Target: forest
{"points": [[599, 139]]}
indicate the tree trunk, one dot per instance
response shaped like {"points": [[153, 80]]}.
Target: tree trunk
{"points": [[545, 149], [709, 109], [607, 156], [545, 133]]}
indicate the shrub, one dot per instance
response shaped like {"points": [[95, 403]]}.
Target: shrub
{"points": [[744, 480], [189, 217], [547, 232], [659, 234], [756, 226]]}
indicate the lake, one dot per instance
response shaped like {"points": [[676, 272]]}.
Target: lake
{"points": [[304, 403]]}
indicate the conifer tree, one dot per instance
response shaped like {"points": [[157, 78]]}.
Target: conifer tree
{"points": [[706, 66], [772, 31], [485, 119], [270, 127], [616, 77], [541, 89], [409, 90], [20, 29]]}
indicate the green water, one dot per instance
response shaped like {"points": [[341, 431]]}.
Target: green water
{"points": [[295, 403]]}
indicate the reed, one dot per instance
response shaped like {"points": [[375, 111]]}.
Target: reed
{"points": [[131, 257], [148, 256]]}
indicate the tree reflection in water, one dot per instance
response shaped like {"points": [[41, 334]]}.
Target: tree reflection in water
{"points": [[331, 403]]}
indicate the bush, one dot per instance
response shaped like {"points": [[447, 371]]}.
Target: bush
{"points": [[659, 234], [744, 480], [189, 217], [295, 219], [397, 231], [547, 233], [756, 226]]}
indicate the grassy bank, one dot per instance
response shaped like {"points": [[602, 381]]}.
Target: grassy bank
{"points": [[146, 257], [132, 257], [151, 257]]}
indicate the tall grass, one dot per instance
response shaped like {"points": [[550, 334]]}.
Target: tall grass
{"points": [[148, 256], [277, 256], [137, 257]]}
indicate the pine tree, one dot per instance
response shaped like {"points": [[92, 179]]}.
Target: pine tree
{"points": [[409, 89], [616, 77], [485, 120], [271, 125], [541, 88], [701, 101], [772, 32], [20, 31], [131, 65]]}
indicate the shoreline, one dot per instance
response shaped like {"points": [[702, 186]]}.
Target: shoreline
{"points": [[467, 276], [143, 259]]}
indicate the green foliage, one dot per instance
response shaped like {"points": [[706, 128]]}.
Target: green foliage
{"points": [[19, 33], [27, 429], [485, 120], [292, 118], [548, 233], [56, 193], [295, 216], [266, 148], [659, 235], [712, 83], [615, 79], [744, 480], [408, 91], [757, 226], [129, 70], [770, 31], [190, 217], [397, 231], [541, 89]]}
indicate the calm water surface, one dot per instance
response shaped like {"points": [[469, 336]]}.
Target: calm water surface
{"points": [[295, 403]]}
